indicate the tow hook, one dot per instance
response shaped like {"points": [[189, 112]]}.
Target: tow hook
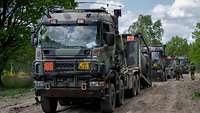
{"points": [[37, 100], [47, 86], [83, 86]]}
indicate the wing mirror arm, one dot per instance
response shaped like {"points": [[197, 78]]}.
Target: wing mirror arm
{"points": [[34, 39]]}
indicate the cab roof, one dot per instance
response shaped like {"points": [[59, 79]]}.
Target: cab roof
{"points": [[94, 15]]}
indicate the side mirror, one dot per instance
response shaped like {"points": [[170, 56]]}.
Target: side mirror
{"points": [[109, 38], [117, 12], [34, 39]]}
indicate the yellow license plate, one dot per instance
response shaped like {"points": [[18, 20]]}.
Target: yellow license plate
{"points": [[84, 65]]}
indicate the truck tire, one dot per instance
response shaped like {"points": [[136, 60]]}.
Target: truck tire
{"points": [[133, 90], [108, 105], [164, 76], [49, 105], [120, 95], [65, 103], [138, 82]]}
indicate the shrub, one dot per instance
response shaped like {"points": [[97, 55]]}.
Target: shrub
{"points": [[12, 79]]}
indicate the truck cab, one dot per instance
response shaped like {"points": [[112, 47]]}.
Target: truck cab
{"points": [[170, 67], [158, 63], [184, 63]]}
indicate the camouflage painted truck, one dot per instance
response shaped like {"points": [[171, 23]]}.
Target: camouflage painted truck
{"points": [[184, 62], [170, 66], [158, 63], [80, 57]]}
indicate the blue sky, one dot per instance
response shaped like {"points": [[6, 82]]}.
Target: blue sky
{"points": [[143, 5], [135, 5]]}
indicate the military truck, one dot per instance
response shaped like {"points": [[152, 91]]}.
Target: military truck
{"points": [[158, 63], [170, 66], [184, 64], [136, 61], [80, 57]]}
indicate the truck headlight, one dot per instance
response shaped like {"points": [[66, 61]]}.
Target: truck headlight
{"points": [[39, 83], [97, 83], [95, 68], [37, 68]]}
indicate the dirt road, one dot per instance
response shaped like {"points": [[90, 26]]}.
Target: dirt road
{"points": [[164, 97]]}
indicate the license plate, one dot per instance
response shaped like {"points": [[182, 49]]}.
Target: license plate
{"points": [[84, 65]]}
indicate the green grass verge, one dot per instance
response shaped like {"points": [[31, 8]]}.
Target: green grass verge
{"points": [[14, 92], [196, 95]]}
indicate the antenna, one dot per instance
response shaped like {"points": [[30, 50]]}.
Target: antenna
{"points": [[98, 3]]}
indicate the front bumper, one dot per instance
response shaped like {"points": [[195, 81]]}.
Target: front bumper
{"points": [[72, 92], [65, 69]]}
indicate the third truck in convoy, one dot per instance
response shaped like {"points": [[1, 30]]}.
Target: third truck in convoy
{"points": [[158, 63]]}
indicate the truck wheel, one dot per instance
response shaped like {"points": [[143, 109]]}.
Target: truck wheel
{"points": [[133, 90], [138, 88], [162, 77], [65, 103], [120, 95], [49, 105], [165, 75], [108, 105]]}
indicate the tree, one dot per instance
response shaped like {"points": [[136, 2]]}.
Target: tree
{"points": [[16, 16], [194, 54], [196, 33], [177, 46], [152, 31]]}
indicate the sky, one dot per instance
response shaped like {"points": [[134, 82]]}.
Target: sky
{"points": [[178, 17]]}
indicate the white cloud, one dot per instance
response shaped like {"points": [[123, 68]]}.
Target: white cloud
{"points": [[126, 20], [160, 11], [173, 29], [179, 18]]}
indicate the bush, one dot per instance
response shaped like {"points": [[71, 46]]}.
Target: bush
{"points": [[12, 79], [196, 95]]}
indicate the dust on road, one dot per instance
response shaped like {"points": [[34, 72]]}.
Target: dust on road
{"points": [[164, 97]]}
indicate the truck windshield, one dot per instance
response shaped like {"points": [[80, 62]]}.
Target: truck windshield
{"points": [[67, 36], [169, 62], [156, 55], [183, 61]]}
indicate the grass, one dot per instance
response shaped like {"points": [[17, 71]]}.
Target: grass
{"points": [[196, 95], [14, 92]]}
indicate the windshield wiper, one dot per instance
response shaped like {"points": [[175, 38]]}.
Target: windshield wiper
{"points": [[83, 47], [50, 47]]}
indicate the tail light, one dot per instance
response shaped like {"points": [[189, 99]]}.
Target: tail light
{"points": [[48, 66]]}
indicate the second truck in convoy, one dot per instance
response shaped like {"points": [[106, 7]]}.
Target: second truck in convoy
{"points": [[81, 57]]}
